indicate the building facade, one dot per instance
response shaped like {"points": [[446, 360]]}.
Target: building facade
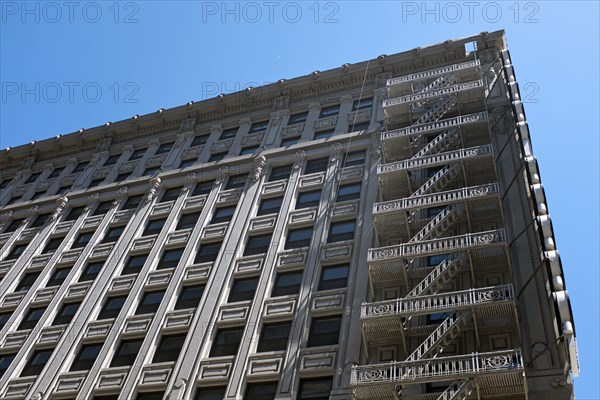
{"points": [[376, 231]]}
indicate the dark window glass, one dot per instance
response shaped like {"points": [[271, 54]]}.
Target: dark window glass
{"points": [[207, 252], [354, 158], [362, 104], [75, 213], [14, 225], [326, 134], [324, 331], [80, 167], [270, 206], [308, 199], [66, 313], [437, 318], [112, 160], [188, 221], [4, 317], [259, 127], [132, 202], [150, 303], [37, 195], [228, 133], [52, 245], [243, 289], [82, 240], [103, 208], [433, 261], [298, 118], [249, 150], [217, 156], [36, 362], [261, 391], [134, 264], [113, 234], [223, 214], [299, 238], [348, 192], [112, 307], [33, 177], [5, 361], [210, 393], [189, 297], [170, 258], [170, 194], [315, 389], [339, 231], [95, 182], [198, 140], [434, 211], [333, 277], [150, 171], [227, 342], [258, 244], [150, 396], [237, 181], [58, 276], [169, 348], [164, 148], [282, 172], [329, 111], [316, 165], [13, 200], [289, 141], [359, 126], [91, 271], [4, 184], [137, 154], [187, 163], [122, 177], [203, 188], [31, 318], [274, 337], [16, 251], [55, 173], [86, 357], [287, 283], [126, 352], [27, 281], [154, 226], [40, 220], [107, 397]]}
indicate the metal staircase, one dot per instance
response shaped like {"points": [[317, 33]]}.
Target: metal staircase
{"points": [[447, 331], [438, 277], [458, 390]]}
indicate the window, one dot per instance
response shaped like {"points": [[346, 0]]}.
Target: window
{"points": [[134, 264], [188, 221], [339, 231], [274, 337], [27, 281], [228, 133], [170, 194], [298, 118], [66, 313], [316, 165], [308, 199], [289, 141], [40, 220], [198, 140], [278, 173], [4, 184], [154, 226], [217, 156], [347, 192], [121, 177], [243, 289], [4, 317], [261, 391], [326, 134], [359, 126], [5, 361], [52, 245], [55, 173], [150, 303], [132, 202], [14, 225], [37, 195], [74, 213], [113, 234], [58, 276], [236, 181], [82, 240], [103, 208], [329, 111], [354, 158], [226, 342], [164, 148], [137, 154], [299, 238], [189, 297], [14, 199], [210, 393], [315, 389], [107, 397], [16, 251], [170, 258], [91, 271], [258, 127], [151, 171], [150, 396], [287, 283], [126, 352], [80, 167], [203, 188], [112, 160], [112, 307], [362, 104], [31, 318], [207, 252], [324, 331], [86, 357], [433, 261], [95, 182], [169, 348], [33, 177], [333, 277], [36, 362], [434, 211], [223, 214], [258, 244], [270, 206], [249, 150], [187, 163]]}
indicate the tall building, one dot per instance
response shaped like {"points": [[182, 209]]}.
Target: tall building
{"points": [[376, 231]]}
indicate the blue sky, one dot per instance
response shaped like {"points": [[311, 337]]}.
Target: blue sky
{"points": [[81, 64]]}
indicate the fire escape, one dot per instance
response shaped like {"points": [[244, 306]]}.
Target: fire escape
{"points": [[439, 225]]}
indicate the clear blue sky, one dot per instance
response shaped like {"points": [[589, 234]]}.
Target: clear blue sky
{"points": [[66, 67]]}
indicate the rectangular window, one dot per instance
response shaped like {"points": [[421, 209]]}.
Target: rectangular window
{"points": [[316, 165], [228, 133], [258, 127], [287, 283], [134, 264], [170, 258], [52, 245], [40, 221], [113, 234], [326, 134], [289, 141], [16, 251], [150, 171], [170, 194], [270, 206], [223, 214], [329, 111], [189, 297], [249, 150], [33, 177], [80, 167], [242, 290], [74, 213], [236, 181], [149, 303], [359, 126], [31, 318], [137, 154], [217, 156], [66, 313], [95, 182], [354, 158], [187, 163], [27, 281], [258, 244], [91, 271], [298, 118], [82, 240], [199, 140], [434, 211], [274, 337], [315, 389], [261, 390], [207, 252], [121, 177], [86, 357], [188, 221], [362, 104], [210, 393], [4, 318], [14, 225], [132, 202], [324, 331], [112, 307], [127, 352], [58, 276], [299, 238], [343, 230], [55, 173], [203, 188], [279, 173], [154, 226], [37, 195], [150, 396], [227, 342], [347, 192], [103, 208], [164, 148], [14, 199], [36, 362], [5, 183], [333, 277], [112, 160], [169, 347], [5, 361]]}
